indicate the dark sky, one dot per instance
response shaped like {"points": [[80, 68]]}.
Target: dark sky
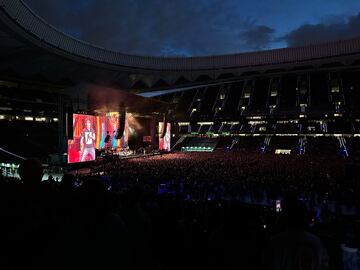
{"points": [[201, 27]]}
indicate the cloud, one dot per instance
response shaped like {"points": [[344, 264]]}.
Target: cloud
{"points": [[158, 27], [259, 37], [331, 28]]}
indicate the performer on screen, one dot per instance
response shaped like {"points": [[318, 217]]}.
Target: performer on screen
{"points": [[87, 141]]}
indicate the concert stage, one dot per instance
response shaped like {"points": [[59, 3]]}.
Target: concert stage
{"points": [[114, 123], [87, 168]]}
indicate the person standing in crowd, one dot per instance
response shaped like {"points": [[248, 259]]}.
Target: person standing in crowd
{"points": [[107, 142]]}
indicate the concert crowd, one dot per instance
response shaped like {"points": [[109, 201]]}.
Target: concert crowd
{"points": [[219, 210]]}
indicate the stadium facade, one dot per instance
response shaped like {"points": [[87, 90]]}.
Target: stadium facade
{"points": [[297, 99]]}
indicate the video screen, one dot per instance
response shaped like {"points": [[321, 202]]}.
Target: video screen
{"points": [[95, 132], [165, 142]]}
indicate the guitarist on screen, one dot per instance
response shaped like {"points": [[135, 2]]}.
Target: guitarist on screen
{"points": [[87, 142]]}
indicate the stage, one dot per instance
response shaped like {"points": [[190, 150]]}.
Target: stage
{"points": [[86, 168]]}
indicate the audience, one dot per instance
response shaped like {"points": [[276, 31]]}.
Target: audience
{"points": [[182, 210]]}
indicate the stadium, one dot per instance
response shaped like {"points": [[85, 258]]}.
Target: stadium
{"points": [[176, 162]]}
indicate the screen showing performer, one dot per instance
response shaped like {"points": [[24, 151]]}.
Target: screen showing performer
{"points": [[165, 142], [87, 142], [82, 147], [95, 132]]}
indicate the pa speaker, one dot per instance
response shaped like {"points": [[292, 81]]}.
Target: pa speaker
{"points": [[122, 119], [69, 122]]}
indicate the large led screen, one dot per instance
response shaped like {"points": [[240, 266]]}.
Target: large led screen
{"points": [[95, 132], [164, 143]]}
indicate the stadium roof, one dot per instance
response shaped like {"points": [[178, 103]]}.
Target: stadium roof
{"points": [[32, 48]]}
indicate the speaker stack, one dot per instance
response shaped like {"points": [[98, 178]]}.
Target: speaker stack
{"points": [[122, 118], [69, 122]]}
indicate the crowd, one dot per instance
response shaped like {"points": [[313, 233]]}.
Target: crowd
{"points": [[182, 210], [319, 180]]}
